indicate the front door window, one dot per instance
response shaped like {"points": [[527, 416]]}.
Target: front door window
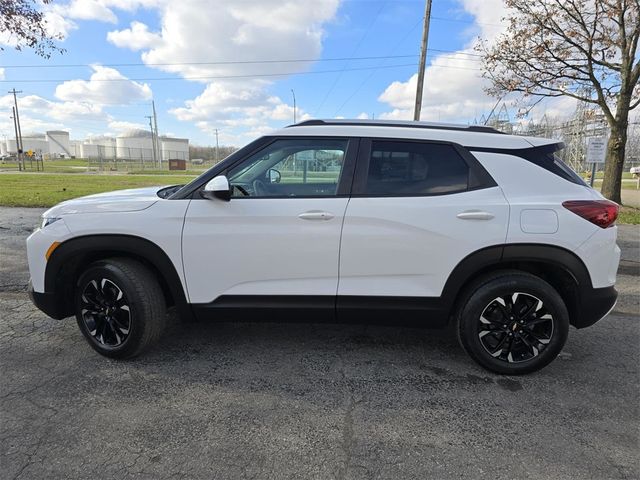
{"points": [[291, 168]]}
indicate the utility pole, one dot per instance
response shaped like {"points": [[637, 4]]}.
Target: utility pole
{"points": [[153, 139], [16, 114], [294, 105], [217, 147], [423, 61], [15, 126], [155, 124]]}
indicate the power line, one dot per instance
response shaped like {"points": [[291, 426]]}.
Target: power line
{"points": [[344, 68], [234, 62], [364, 82], [240, 62], [472, 22], [205, 77]]}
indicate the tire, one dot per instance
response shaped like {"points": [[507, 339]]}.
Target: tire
{"points": [[525, 317], [120, 307]]}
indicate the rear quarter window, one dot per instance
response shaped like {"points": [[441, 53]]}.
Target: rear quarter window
{"points": [[552, 162]]}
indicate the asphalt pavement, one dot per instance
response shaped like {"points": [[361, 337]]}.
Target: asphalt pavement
{"points": [[264, 400]]}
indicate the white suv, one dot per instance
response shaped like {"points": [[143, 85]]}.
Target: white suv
{"points": [[350, 221]]}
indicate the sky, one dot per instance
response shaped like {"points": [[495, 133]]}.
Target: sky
{"points": [[234, 66]]}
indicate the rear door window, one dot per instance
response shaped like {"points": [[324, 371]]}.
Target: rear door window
{"points": [[415, 168]]}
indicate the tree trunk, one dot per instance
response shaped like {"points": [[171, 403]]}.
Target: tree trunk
{"points": [[616, 146]]}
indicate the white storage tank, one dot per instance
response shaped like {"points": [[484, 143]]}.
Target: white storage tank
{"points": [[174, 148], [75, 148], [106, 145], [134, 145], [36, 142], [59, 146], [88, 150]]}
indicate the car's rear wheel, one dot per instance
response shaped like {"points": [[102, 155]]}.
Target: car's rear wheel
{"points": [[512, 322], [120, 307]]}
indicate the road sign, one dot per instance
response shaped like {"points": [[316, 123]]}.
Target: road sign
{"points": [[30, 153], [596, 149]]}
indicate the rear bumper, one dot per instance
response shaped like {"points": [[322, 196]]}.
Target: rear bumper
{"points": [[48, 303], [594, 306]]}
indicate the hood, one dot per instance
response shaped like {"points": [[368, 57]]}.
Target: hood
{"points": [[119, 201]]}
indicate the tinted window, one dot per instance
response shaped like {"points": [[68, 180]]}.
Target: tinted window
{"points": [[553, 163], [413, 168], [290, 168]]}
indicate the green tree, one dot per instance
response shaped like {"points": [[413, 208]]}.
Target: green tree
{"points": [[585, 49]]}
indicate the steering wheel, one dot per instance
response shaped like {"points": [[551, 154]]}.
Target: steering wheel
{"points": [[242, 190], [260, 188]]}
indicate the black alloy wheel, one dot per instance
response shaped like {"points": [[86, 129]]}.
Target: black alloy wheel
{"points": [[515, 327], [120, 307], [512, 322], [106, 313]]}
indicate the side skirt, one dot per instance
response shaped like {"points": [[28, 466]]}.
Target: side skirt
{"points": [[401, 311]]}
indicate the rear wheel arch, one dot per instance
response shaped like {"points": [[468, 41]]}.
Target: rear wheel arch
{"points": [[559, 267], [69, 260]]}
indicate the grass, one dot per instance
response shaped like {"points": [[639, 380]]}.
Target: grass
{"points": [[628, 185], [47, 189], [600, 175], [191, 171], [82, 165], [629, 215]]}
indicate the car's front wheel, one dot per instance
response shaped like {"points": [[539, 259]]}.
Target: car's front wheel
{"points": [[512, 322], [120, 307]]}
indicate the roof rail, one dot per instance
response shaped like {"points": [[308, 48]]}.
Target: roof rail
{"points": [[397, 123]]}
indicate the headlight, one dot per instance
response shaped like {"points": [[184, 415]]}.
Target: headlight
{"points": [[48, 221]]}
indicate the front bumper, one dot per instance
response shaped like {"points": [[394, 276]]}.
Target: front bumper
{"points": [[594, 306], [49, 303]]}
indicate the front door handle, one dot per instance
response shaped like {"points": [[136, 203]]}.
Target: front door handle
{"points": [[475, 215], [316, 215]]}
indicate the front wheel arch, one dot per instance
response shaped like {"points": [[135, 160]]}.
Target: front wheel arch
{"points": [[72, 256]]}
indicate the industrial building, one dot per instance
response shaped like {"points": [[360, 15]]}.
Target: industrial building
{"points": [[134, 145], [38, 143], [138, 145]]}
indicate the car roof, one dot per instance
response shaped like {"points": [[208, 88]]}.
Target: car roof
{"points": [[465, 135]]}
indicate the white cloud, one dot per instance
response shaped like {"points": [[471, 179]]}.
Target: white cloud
{"points": [[59, 17], [231, 106], [252, 30], [55, 24], [454, 87], [58, 25], [2, 73], [121, 126], [107, 86], [60, 111], [38, 114], [99, 10], [90, 10], [137, 37]]}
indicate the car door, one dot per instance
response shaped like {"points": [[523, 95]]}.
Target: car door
{"points": [[417, 209], [277, 240]]}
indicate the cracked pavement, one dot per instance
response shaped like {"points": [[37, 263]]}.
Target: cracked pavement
{"points": [[261, 400]]}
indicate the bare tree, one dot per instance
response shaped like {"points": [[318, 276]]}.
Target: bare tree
{"points": [[26, 26], [585, 49]]}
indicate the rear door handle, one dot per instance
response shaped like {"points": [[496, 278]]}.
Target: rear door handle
{"points": [[475, 215], [316, 215]]}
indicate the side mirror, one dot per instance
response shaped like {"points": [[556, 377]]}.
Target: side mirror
{"points": [[217, 187], [273, 175]]}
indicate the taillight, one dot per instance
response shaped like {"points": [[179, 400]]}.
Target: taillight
{"points": [[602, 213]]}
